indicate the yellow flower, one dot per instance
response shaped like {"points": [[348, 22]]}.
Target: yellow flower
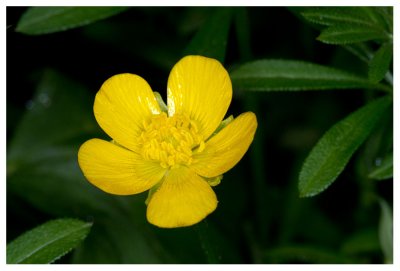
{"points": [[176, 152]]}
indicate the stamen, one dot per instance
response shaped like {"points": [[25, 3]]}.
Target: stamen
{"points": [[170, 140]]}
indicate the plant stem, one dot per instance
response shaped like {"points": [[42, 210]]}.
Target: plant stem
{"points": [[207, 245], [258, 161]]}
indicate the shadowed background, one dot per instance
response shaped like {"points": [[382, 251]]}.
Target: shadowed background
{"points": [[51, 83]]}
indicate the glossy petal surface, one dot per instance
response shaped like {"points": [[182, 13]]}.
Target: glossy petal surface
{"points": [[183, 199], [227, 147], [201, 88], [117, 170], [121, 106]]}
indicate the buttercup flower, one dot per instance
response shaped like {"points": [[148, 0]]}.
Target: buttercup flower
{"points": [[177, 152]]}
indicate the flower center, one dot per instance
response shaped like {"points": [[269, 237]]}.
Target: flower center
{"points": [[170, 140]]}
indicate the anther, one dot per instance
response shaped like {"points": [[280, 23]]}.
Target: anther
{"points": [[170, 140]]}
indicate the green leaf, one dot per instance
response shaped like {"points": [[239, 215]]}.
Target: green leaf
{"points": [[338, 15], [43, 151], [344, 34], [386, 231], [387, 16], [55, 116], [333, 151], [384, 169], [47, 242], [276, 75], [380, 63], [45, 20], [360, 50], [212, 38]]}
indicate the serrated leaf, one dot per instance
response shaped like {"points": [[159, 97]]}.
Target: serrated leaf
{"points": [[386, 231], [47, 242], [346, 34], [45, 20], [387, 16], [338, 15], [384, 168], [380, 63], [276, 75], [333, 151], [212, 38], [375, 15]]}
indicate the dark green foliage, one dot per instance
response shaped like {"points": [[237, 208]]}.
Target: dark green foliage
{"points": [[333, 151], [342, 34], [48, 242], [211, 40], [260, 217], [45, 20], [349, 24], [305, 254], [380, 63], [384, 170], [277, 75], [365, 16]]}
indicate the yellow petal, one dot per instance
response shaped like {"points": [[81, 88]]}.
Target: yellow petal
{"points": [[201, 88], [183, 199], [123, 102], [117, 170], [227, 147]]}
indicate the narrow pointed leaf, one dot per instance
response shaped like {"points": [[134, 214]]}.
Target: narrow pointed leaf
{"points": [[47, 242], [344, 34], [333, 151], [212, 38], [44, 20], [380, 63], [277, 75], [386, 231], [338, 15], [384, 170], [387, 17]]}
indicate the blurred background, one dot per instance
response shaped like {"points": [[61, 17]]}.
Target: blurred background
{"points": [[51, 84]]}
